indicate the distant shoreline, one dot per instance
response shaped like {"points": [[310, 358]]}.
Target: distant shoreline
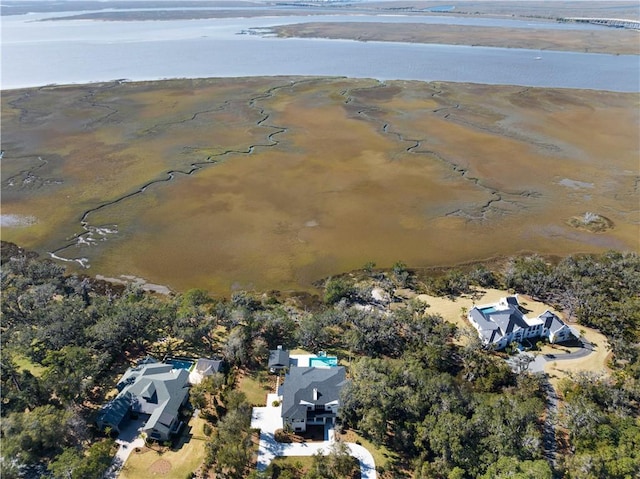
{"points": [[613, 41]]}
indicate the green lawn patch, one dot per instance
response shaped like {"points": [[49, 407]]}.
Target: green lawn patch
{"points": [[296, 466], [255, 388], [184, 459], [381, 455], [299, 351], [300, 464], [25, 363], [303, 462]]}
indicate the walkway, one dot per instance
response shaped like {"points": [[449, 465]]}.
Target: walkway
{"points": [[549, 441], [268, 420]]}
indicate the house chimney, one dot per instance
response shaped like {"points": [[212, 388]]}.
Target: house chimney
{"points": [[315, 394], [279, 347]]}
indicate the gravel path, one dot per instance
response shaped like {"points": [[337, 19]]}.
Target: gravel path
{"points": [[549, 427]]}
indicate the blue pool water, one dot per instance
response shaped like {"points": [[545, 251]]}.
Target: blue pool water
{"points": [[180, 363], [488, 310], [325, 361]]}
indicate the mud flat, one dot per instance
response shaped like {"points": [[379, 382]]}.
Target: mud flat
{"points": [[273, 183], [613, 41]]}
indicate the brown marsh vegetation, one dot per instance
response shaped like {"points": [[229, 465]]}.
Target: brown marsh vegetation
{"points": [[614, 41], [273, 183]]}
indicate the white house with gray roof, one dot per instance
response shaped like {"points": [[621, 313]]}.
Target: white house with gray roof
{"points": [[311, 396], [157, 390], [501, 323]]}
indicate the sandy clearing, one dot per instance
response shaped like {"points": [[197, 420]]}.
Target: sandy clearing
{"points": [[596, 362], [451, 310]]}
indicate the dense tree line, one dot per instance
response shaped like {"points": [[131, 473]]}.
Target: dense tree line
{"points": [[66, 340], [600, 415], [229, 452], [453, 420], [447, 410], [602, 292]]}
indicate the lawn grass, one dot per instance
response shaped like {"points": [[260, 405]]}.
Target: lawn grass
{"points": [[299, 351], [255, 390], [299, 462], [174, 463], [381, 455]]}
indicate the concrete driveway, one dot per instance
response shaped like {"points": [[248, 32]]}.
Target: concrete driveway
{"points": [[586, 348], [268, 420], [537, 366], [128, 439]]}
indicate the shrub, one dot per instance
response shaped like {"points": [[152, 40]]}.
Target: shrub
{"points": [[336, 289], [282, 436]]}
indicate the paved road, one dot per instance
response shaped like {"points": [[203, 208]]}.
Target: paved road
{"points": [[268, 420]]}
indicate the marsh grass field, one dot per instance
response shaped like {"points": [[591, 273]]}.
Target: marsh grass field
{"points": [[274, 183], [613, 41]]}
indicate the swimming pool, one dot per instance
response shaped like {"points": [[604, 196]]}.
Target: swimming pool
{"points": [[488, 310], [179, 363], [323, 361]]}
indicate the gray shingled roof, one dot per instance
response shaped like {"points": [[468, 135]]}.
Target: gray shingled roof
{"points": [[508, 320], [131, 375], [481, 320], [152, 388], [208, 366], [278, 358], [114, 411], [492, 326], [551, 321], [299, 386]]}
